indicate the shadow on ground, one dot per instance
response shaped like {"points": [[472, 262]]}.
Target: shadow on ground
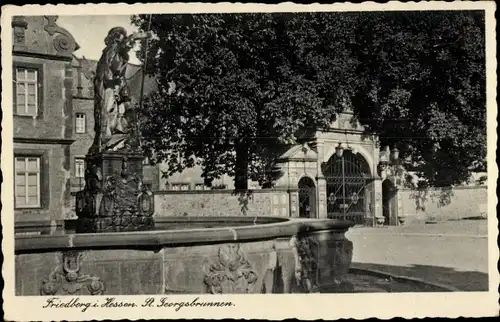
{"points": [[465, 281]]}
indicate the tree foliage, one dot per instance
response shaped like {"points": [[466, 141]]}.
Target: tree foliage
{"points": [[235, 88], [422, 88]]}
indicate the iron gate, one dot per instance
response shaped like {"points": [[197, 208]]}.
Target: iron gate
{"points": [[346, 179]]}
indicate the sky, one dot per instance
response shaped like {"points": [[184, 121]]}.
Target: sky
{"points": [[90, 31]]}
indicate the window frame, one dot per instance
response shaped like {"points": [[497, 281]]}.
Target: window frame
{"points": [[39, 88], [39, 158], [84, 123], [78, 158]]}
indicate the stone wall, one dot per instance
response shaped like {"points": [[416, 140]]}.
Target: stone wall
{"points": [[440, 205], [272, 202], [55, 196]]}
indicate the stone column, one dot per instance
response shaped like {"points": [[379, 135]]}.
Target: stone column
{"points": [[400, 210], [294, 202], [369, 203], [321, 211], [377, 192]]}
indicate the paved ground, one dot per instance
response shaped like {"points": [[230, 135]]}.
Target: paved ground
{"points": [[449, 253]]}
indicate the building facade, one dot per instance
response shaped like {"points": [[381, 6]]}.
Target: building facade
{"points": [[43, 123], [83, 119]]}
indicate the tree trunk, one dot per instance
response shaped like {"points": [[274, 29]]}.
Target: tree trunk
{"points": [[241, 167]]}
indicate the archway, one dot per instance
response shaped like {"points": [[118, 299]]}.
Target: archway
{"points": [[346, 180], [388, 201], [307, 198]]}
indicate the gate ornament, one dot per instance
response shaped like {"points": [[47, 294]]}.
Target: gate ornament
{"points": [[67, 279], [354, 198], [332, 198]]}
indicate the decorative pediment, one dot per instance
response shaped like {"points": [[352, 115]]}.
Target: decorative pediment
{"points": [[41, 35], [346, 121], [384, 155], [301, 152], [392, 170]]}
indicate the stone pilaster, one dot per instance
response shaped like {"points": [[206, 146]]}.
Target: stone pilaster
{"points": [[322, 210], [377, 189], [400, 210], [370, 203], [294, 202], [321, 183]]}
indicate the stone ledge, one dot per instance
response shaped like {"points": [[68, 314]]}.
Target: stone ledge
{"points": [[155, 240]]}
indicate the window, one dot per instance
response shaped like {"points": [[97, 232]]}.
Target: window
{"points": [[80, 123], [79, 167], [26, 91], [199, 186], [27, 189]]}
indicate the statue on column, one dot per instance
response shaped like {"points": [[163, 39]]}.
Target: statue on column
{"points": [[114, 197], [115, 118]]}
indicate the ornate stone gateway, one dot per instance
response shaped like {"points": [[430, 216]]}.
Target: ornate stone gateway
{"points": [[346, 180]]}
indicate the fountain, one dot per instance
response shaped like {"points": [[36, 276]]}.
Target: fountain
{"points": [[118, 246]]}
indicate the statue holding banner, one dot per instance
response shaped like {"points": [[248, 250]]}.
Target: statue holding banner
{"points": [[115, 119], [114, 198]]}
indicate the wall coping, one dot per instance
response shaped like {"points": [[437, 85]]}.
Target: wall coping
{"points": [[220, 191], [454, 188], [214, 191], [155, 240]]}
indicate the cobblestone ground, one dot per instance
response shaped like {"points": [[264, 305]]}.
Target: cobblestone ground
{"points": [[449, 253]]}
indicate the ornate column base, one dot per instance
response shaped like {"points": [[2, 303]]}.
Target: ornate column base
{"points": [[115, 224], [114, 198]]}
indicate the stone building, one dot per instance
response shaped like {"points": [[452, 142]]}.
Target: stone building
{"points": [[43, 124]]}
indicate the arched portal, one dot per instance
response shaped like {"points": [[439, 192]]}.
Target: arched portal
{"points": [[307, 198], [346, 180], [389, 205]]}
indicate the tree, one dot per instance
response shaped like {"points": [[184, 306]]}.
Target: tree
{"points": [[422, 88], [235, 88]]}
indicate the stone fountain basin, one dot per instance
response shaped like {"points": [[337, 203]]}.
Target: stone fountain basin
{"points": [[187, 255]]}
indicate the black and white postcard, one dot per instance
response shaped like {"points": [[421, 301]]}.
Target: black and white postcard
{"points": [[168, 161]]}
